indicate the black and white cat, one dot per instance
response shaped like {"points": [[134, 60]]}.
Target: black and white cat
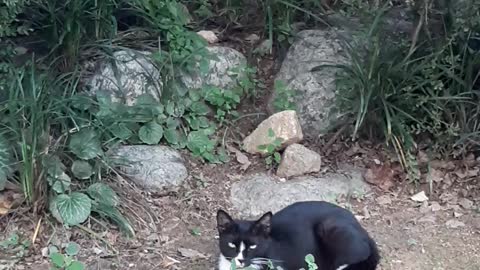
{"points": [[331, 233]]}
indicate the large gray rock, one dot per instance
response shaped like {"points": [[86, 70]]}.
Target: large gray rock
{"points": [[151, 167], [126, 76], [316, 91], [131, 73], [225, 67], [260, 193]]}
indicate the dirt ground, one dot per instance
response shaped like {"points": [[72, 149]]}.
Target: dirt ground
{"points": [[176, 230]]}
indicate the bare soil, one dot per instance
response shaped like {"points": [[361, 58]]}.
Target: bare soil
{"points": [[176, 230]]}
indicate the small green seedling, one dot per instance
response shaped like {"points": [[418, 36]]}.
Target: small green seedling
{"points": [[13, 245], [65, 261], [271, 149]]}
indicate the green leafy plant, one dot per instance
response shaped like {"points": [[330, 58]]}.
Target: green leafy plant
{"points": [[65, 260], [273, 157], [13, 244], [284, 97], [310, 260], [396, 93]]}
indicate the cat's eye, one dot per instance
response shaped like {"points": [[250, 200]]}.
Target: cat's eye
{"points": [[252, 247], [232, 245]]}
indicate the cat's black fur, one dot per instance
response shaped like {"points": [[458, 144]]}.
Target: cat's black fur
{"points": [[330, 233]]}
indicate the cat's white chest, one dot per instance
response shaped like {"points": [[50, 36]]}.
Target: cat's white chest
{"points": [[223, 263]]}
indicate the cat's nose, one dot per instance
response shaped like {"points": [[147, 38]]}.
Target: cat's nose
{"points": [[242, 262]]}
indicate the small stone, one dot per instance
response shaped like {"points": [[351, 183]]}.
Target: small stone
{"points": [[285, 126], [298, 160], [457, 214], [97, 251], [419, 197], [209, 36], [45, 252]]}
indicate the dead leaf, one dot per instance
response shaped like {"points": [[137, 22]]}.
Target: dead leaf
{"points": [[419, 197], [453, 224], [435, 206], [467, 173], [422, 157], [209, 36], [381, 176], [442, 164], [8, 201], [252, 38], [384, 199], [465, 203], [241, 157], [427, 219], [191, 253], [436, 175]]}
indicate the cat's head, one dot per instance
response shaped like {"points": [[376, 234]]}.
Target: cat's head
{"points": [[244, 241]]}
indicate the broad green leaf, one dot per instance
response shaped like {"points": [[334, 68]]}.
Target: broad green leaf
{"points": [[203, 122], [170, 109], [270, 148], [193, 122], [53, 165], [121, 131], [199, 143], [76, 266], [57, 259], [72, 209], [82, 169], [200, 108], [277, 157], [52, 249], [171, 135], [68, 260], [151, 133], [72, 249], [6, 161], [60, 184], [145, 99], [172, 122], [103, 193], [194, 95], [85, 144]]}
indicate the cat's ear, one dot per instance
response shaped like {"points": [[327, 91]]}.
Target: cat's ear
{"points": [[224, 221], [263, 225]]}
